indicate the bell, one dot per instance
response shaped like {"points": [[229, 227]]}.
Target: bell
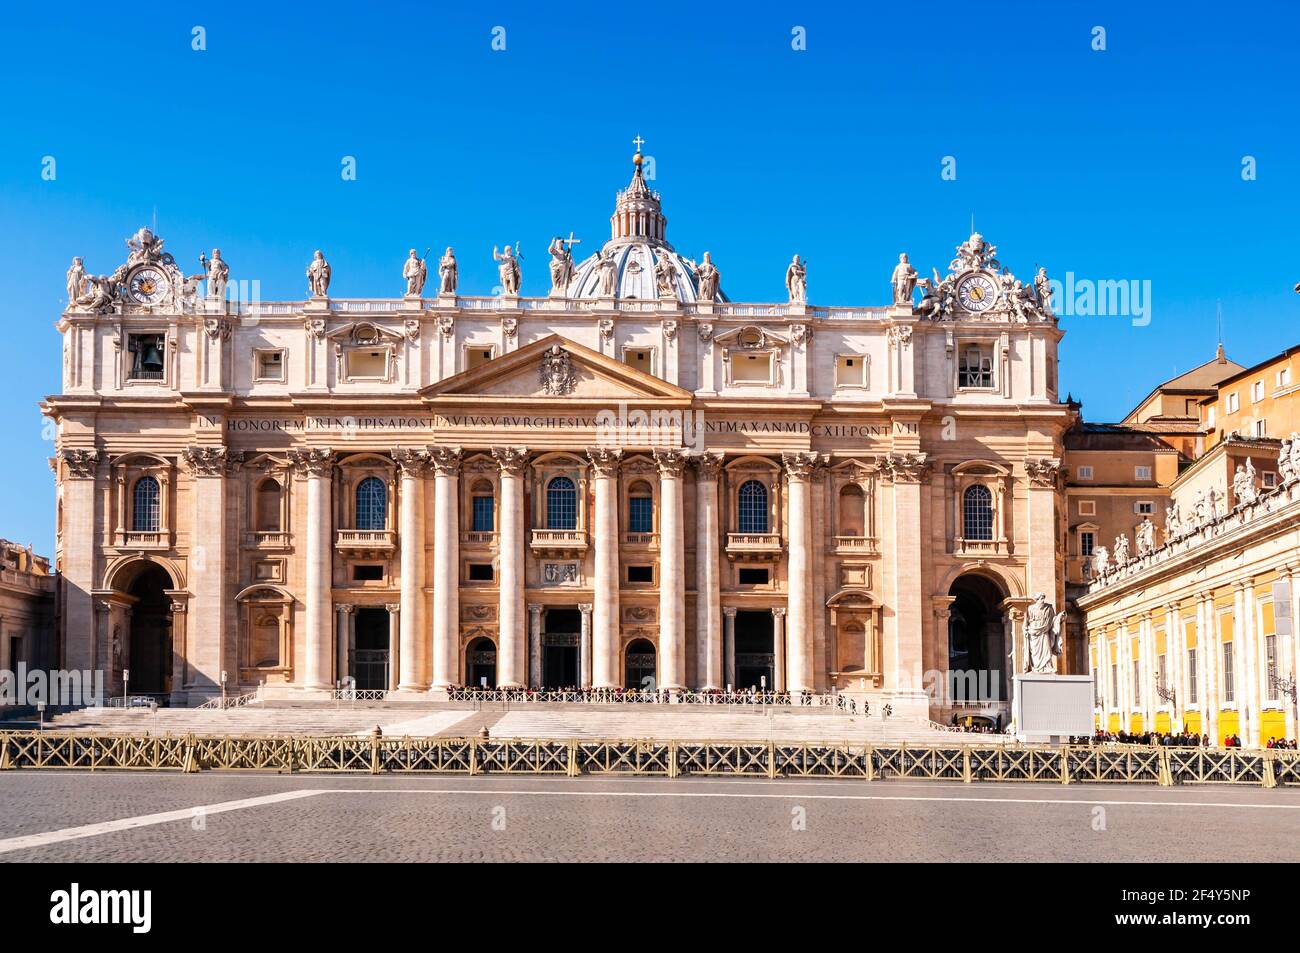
{"points": [[152, 360]]}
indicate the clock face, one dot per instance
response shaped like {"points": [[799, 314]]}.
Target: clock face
{"points": [[977, 293], [148, 285]]}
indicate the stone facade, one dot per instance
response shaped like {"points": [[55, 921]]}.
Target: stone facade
{"points": [[631, 478], [27, 611]]}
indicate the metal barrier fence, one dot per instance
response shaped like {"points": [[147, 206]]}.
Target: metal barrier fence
{"points": [[376, 754]]}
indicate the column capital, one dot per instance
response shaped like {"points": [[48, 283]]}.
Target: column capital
{"points": [[393, 607], [535, 607], [512, 460], [1043, 471], [729, 611], [211, 460], [778, 612], [585, 607], [903, 467], [801, 465], [346, 608], [411, 462], [605, 461], [671, 461], [313, 462], [80, 463], [445, 460], [708, 464]]}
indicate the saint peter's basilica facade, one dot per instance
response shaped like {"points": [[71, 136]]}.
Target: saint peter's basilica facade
{"points": [[630, 481]]}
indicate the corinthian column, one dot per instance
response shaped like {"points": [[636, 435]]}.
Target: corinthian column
{"points": [[446, 560], [708, 599], [672, 574], [317, 465], [605, 625], [512, 636], [412, 657], [798, 469], [209, 649]]}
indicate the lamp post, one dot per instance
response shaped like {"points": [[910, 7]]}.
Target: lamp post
{"points": [[1168, 696], [126, 680], [223, 689]]}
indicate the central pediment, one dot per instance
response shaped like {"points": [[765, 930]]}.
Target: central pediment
{"points": [[555, 369]]}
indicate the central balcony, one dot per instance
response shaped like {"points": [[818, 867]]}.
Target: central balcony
{"points": [[477, 538], [558, 543], [753, 546], [366, 540]]}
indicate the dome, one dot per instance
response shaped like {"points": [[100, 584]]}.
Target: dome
{"points": [[638, 245]]}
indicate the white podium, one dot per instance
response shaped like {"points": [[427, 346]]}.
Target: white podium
{"points": [[1052, 708]]}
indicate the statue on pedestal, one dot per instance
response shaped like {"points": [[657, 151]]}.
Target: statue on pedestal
{"points": [[665, 277], [218, 274], [1042, 636], [607, 272], [318, 276], [1145, 534], [415, 271], [796, 281], [76, 279], [447, 272], [1043, 292], [708, 276], [904, 281], [561, 251], [1121, 550], [508, 270]]}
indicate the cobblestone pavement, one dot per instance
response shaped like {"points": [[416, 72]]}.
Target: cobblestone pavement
{"points": [[364, 818]]}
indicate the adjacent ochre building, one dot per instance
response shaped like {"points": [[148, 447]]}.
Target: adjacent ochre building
{"points": [[629, 481], [1193, 627]]}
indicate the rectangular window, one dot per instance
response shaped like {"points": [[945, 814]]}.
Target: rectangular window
{"points": [[850, 371], [1160, 672], [1191, 676], [1259, 428], [1087, 507], [640, 573], [1085, 473], [751, 368], [1114, 684], [1234, 403], [1137, 684], [270, 365], [477, 357], [640, 514], [1142, 473], [484, 515], [367, 573], [1269, 478], [638, 357], [1209, 415], [1144, 507], [1284, 377], [752, 577], [146, 353], [1087, 543], [975, 367], [1270, 653], [368, 365], [480, 572], [1227, 672], [1256, 392]]}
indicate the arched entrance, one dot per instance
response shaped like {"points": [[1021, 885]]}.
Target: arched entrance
{"points": [[371, 654], [481, 663], [639, 666], [977, 653], [149, 645], [561, 632], [755, 654]]}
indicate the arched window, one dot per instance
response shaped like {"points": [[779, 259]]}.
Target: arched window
{"points": [[372, 504], [640, 509], [977, 513], [268, 506], [561, 504], [752, 507], [483, 513], [146, 508]]}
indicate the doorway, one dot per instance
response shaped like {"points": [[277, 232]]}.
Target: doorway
{"points": [[755, 655], [561, 633], [371, 653]]}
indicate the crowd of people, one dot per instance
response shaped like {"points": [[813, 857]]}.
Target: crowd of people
{"points": [[1180, 739]]}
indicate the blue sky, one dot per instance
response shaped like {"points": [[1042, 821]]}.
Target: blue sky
{"points": [[1117, 164]]}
